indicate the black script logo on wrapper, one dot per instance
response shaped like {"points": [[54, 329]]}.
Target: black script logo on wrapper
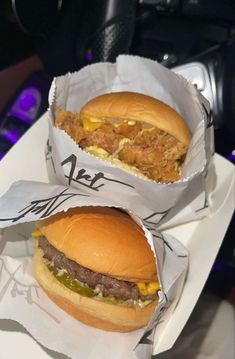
{"points": [[208, 114], [147, 338], [45, 206], [206, 203], [155, 218], [49, 156], [159, 236], [82, 177]]}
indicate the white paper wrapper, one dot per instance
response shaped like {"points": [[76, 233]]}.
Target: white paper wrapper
{"points": [[162, 204], [22, 299]]}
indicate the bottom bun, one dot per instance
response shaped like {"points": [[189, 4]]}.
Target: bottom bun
{"points": [[96, 313]]}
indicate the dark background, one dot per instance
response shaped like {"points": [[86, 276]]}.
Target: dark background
{"points": [[41, 39]]}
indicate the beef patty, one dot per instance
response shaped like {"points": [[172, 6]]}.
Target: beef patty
{"points": [[107, 285]]}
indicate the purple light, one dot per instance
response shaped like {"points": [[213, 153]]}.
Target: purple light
{"points": [[25, 110], [26, 105], [21, 116], [11, 136], [27, 102], [231, 156], [89, 55], [219, 266]]}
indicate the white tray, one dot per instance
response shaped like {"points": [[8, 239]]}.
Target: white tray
{"points": [[202, 238]]}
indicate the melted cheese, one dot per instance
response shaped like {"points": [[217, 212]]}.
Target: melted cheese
{"points": [[97, 151], [91, 124], [148, 288], [36, 233]]}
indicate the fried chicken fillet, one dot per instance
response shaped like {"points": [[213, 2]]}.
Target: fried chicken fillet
{"points": [[151, 150]]}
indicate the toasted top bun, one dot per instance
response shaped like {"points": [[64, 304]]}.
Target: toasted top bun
{"points": [[138, 107], [104, 240]]}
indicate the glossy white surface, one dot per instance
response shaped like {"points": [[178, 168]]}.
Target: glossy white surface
{"points": [[202, 238]]}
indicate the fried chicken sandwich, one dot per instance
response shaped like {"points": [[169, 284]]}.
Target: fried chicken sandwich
{"points": [[138, 133]]}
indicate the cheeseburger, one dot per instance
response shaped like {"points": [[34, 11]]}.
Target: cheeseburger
{"points": [[96, 264], [138, 133]]}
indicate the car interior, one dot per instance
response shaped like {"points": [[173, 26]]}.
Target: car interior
{"points": [[195, 38]]}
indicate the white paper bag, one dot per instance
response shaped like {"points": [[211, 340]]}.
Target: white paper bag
{"points": [[22, 299], [162, 204]]}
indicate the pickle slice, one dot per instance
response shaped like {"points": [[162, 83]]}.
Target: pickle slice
{"points": [[71, 283], [78, 287]]}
